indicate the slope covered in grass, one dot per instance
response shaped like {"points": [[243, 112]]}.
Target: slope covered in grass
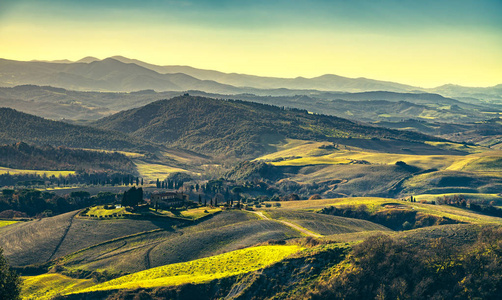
{"points": [[47, 286], [226, 231], [202, 270], [41, 240], [325, 224]]}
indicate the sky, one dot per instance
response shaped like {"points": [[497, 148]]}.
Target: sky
{"points": [[424, 43]]}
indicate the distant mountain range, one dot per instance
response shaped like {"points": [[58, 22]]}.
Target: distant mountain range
{"points": [[122, 74]]}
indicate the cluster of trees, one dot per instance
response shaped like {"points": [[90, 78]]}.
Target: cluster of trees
{"points": [[481, 207], [385, 268], [132, 197], [34, 203], [96, 178]]}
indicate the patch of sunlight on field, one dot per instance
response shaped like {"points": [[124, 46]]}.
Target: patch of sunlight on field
{"points": [[151, 171], [192, 214], [100, 211], [294, 147], [457, 146], [128, 154], [304, 161], [48, 286], [321, 203], [201, 270], [421, 161], [39, 172], [466, 196], [6, 223], [310, 155], [374, 204]]}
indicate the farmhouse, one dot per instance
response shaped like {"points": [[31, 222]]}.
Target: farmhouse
{"points": [[168, 199]]}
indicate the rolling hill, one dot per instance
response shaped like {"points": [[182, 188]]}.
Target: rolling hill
{"points": [[20, 127], [240, 129]]}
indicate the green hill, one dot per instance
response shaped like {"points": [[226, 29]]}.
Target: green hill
{"points": [[237, 128], [24, 156], [20, 127]]}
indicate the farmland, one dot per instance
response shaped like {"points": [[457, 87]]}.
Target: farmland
{"points": [[6, 223], [202, 270]]}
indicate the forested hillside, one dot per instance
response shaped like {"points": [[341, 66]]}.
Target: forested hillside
{"points": [[237, 128], [24, 156], [20, 127]]}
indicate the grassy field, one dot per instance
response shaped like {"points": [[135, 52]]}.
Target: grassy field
{"points": [[5, 223], [202, 270], [38, 241], [325, 224], [4, 170], [100, 211], [48, 286], [224, 232], [375, 204], [151, 171], [189, 214]]}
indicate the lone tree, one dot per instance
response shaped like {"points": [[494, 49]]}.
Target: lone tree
{"points": [[10, 282]]}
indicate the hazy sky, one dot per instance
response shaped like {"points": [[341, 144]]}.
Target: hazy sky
{"points": [[420, 42]]}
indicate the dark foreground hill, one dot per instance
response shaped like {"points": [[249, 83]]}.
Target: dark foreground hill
{"points": [[20, 127], [238, 128]]}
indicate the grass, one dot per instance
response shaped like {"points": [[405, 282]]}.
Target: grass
{"points": [[100, 211], [201, 270], [190, 214], [6, 223], [151, 171], [375, 204], [224, 232], [325, 224], [47, 286], [4, 170], [305, 161]]}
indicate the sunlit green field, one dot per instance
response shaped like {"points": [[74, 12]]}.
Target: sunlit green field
{"points": [[5, 223], [201, 270], [151, 171], [193, 213], [375, 204], [100, 211]]}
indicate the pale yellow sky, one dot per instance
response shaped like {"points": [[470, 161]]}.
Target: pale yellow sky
{"points": [[425, 58]]}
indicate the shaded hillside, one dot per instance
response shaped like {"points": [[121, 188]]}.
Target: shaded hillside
{"points": [[237, 128], [20, 127], [24, 156]]}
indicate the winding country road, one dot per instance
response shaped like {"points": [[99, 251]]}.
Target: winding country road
{"points": [[292, 225]]}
